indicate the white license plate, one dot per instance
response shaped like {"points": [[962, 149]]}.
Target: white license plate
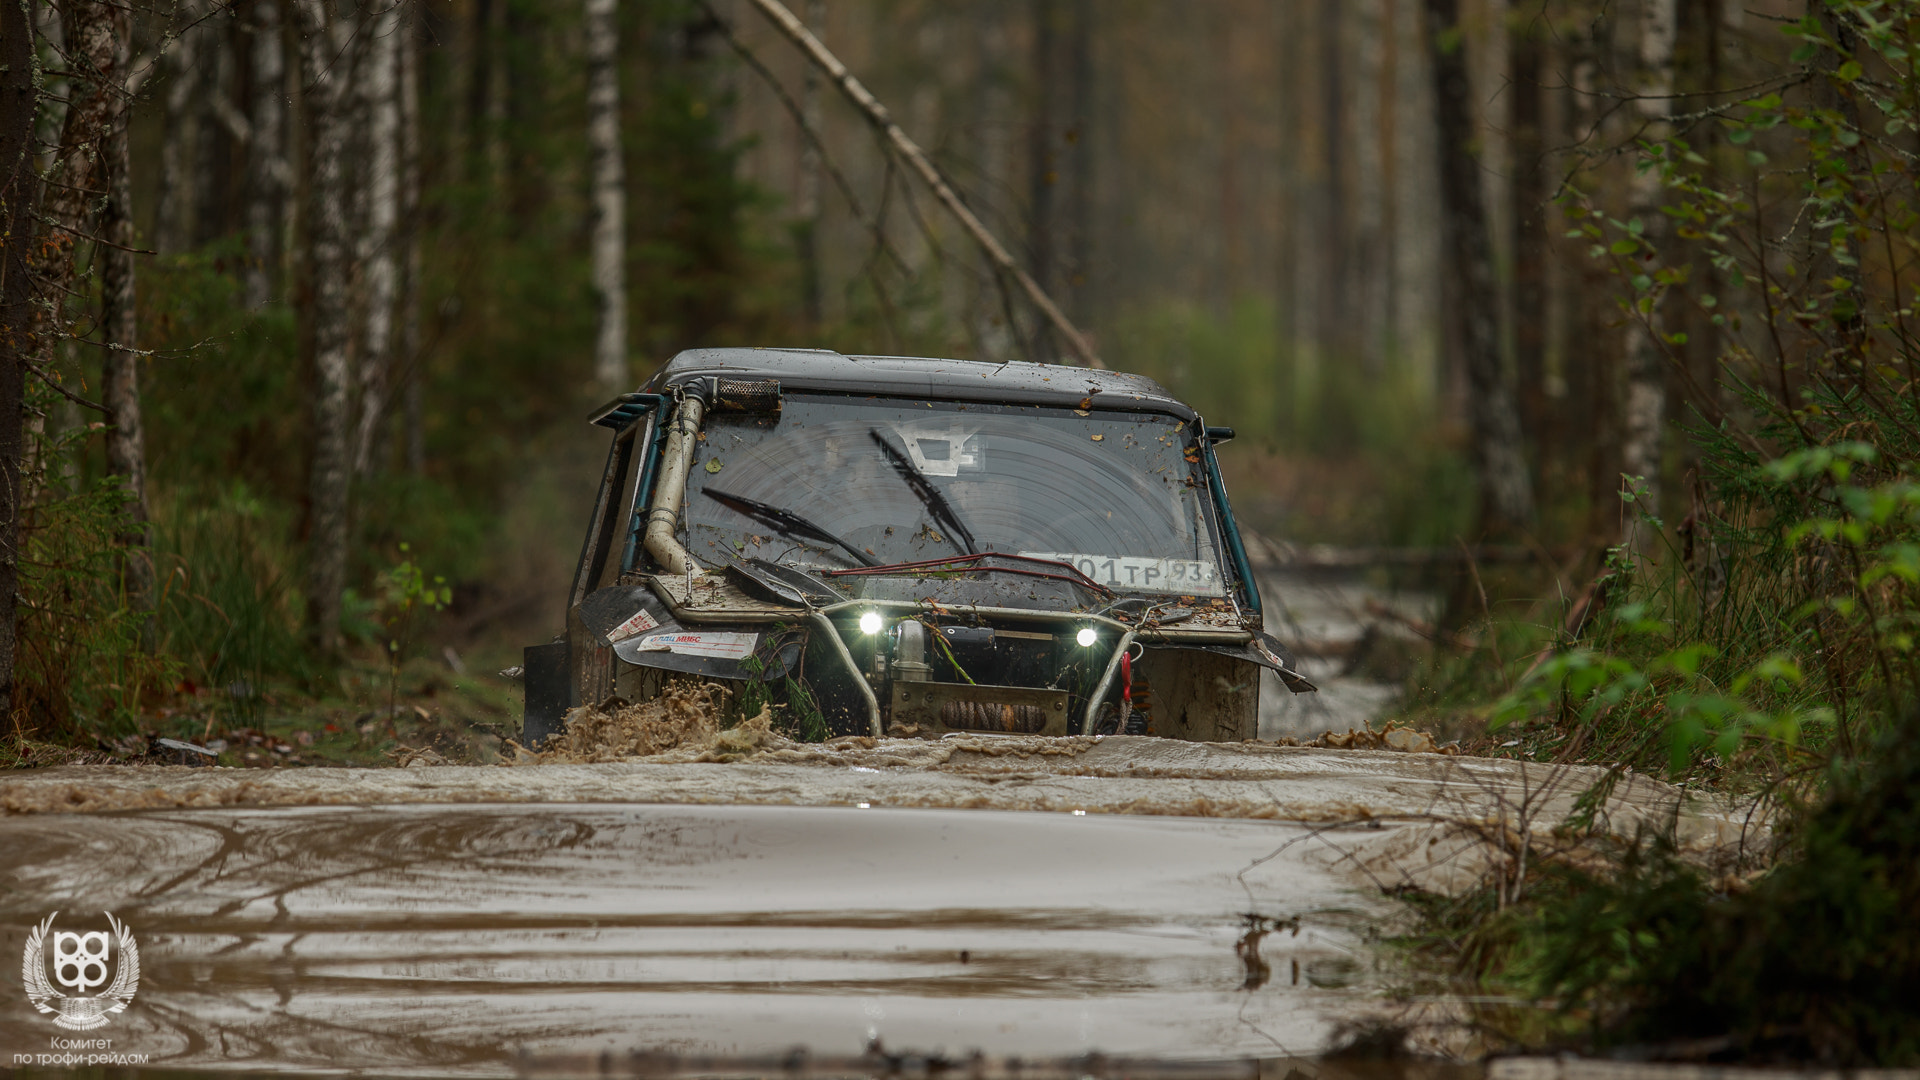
{"points": [[1133, 573]]}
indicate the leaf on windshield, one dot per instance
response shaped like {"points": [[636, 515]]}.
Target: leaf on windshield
{"points": [[1099, 438], [714, 466]]}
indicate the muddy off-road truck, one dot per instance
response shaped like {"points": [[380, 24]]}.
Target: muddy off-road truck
{"points": [[901, 546]]}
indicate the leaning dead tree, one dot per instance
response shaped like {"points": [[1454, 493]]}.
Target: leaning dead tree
{"points": [[929, 173]]}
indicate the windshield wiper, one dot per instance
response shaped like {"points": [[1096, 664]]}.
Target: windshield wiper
{"points": [[929, 495], [786, 522]]}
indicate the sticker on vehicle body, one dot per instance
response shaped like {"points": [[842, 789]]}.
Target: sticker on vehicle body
{"points": [[642, 620], [1137, 573], [714, 645]]}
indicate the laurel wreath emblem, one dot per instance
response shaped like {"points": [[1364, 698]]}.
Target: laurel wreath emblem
{"points": [[80, 1013]]}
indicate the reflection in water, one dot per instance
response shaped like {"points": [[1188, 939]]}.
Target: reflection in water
{"points": [[456, 939]]}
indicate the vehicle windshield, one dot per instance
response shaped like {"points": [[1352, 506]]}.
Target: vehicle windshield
{"points": [[1117, 495]]}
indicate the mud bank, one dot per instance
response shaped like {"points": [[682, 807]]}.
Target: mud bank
{"points": [[1454, 817]]}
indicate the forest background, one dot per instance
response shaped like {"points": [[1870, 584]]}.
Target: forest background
{"points": [[302, 305], [370, 241]]}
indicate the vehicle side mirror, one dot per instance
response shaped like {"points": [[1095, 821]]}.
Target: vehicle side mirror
{"points": [[1218, 435]]}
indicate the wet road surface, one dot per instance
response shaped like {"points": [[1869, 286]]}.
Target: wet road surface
{"points": [[442, 939]]}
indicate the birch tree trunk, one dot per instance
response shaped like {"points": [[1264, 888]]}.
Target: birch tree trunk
{"points": [[120, 370], [609, 242], [408, 350], [1646, 405], [379, 85], [1506, 492], [174, 213], [266, 160], [327, 59], [806, 230], [19, 191], [74, 176]]}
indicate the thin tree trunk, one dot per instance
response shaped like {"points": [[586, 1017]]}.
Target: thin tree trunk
{"points": [[1506, 493], [1528, 224], [379, 84], [19, 191], [806, 229], [74, 178], [327, 60], [1337, 338], [1080, 158], [1645, 419], [408, 350], [929, 173], [220, 126], [120, 370], [175, 210], [51, 118], [266, 160], [494, 109], [1042, 169], [609, 242]]}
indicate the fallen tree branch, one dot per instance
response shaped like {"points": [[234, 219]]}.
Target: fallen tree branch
{"points": [[877, 114]]}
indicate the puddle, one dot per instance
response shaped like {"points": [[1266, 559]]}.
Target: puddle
{"points": [[455, 939]]}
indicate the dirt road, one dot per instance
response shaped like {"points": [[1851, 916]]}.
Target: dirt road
{"points": [[448, 919]]}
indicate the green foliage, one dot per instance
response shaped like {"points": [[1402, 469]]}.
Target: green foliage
{"points": [[1772, 637], [228, 597], [79, 669], [1241, 367], [1819, 959], [401, 593], [1397, 478], [1784, 616]]}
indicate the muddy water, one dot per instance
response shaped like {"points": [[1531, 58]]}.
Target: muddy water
{"points": [[452, 939], [1325, 617]]}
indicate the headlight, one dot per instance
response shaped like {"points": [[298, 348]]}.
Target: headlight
{"points": [[1086, 636], [870, 623]]}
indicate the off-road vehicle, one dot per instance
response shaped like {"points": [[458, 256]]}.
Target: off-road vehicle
{"points": [[893, 545]]}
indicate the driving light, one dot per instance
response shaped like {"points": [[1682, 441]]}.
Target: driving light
{"points": [[1086, 636], [870, 623]]}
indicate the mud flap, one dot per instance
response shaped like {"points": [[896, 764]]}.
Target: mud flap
{"points": [[1265, 650], [545, 682]]}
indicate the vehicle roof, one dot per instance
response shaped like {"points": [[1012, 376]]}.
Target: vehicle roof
{"points": [[921, 377]]}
